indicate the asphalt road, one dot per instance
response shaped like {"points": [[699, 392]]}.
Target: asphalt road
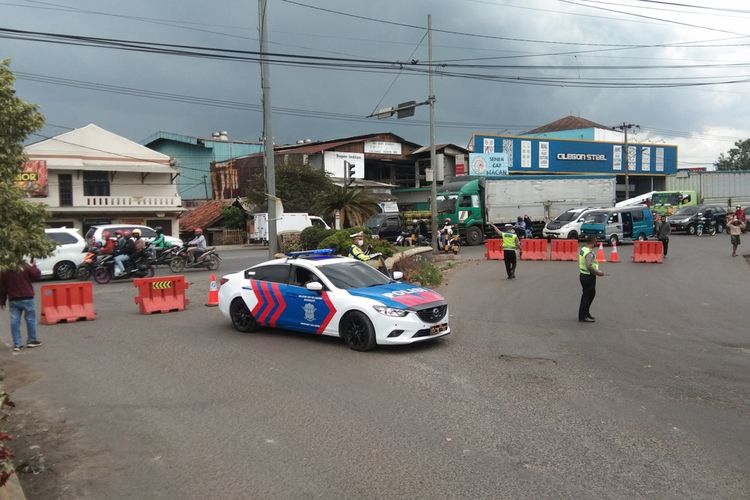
{"points": [[521, 401]]}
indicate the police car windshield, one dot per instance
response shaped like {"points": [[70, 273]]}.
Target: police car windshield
{"points": [[353, 275]]}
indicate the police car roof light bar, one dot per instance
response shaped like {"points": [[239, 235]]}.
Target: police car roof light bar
{"points": [[320, 252]]}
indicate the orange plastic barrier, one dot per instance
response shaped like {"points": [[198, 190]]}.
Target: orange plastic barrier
{"points": [[648, 251], [534, 249], [494, 249], [161, 294], [564, 250], [67, 302]]}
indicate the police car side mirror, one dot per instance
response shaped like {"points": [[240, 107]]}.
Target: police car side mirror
{"points": [[397, 275], [314, 286]]}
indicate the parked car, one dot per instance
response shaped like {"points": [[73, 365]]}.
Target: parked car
{"points": [[567, 225], [386, 226], [147, 233], [686, 218], [67, 256]]}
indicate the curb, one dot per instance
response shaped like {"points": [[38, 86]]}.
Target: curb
{"points": [[12, 489], [390, 261]]}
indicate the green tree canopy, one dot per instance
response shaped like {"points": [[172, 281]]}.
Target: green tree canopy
{"points": [[297, 186], [233, 217], [22, 222], [738, 158], [354, 205]]}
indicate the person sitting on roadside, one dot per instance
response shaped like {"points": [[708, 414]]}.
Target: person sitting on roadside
{"points": [[355, 250]]}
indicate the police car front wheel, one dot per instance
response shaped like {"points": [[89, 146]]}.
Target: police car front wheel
{"points": [[357, 331], [242, 318]]}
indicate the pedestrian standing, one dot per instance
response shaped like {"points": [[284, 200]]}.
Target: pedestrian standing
{"points": [[734, 229], [17, 290], [588, 269], [511, 243], [663, 230]]}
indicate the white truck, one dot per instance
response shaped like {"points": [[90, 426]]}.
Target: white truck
{"points": [[727, 189], [288, 222], [476, 202]]}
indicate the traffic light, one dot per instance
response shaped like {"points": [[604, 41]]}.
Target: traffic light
{"points": [[349, 173]]}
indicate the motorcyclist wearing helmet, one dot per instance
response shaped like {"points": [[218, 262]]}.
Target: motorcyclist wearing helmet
{"points": [[140, 243], [445, 233], [198, 243], [125, 250], [108, 243], [160, 242]]}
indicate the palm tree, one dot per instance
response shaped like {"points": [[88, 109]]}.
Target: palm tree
{"points": [[354, 205]]}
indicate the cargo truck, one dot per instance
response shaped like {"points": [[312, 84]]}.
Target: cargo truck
{"points": [[727, 189], [474, 203]]}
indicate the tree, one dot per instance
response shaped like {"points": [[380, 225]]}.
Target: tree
{"points": [[738, 158], [297, 186], [354, 205], [233, 217], [23, 222]]}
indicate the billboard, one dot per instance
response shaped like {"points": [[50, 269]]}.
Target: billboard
{"points": [[488, 164], [559, 156], [33, 179], [335, 164]]}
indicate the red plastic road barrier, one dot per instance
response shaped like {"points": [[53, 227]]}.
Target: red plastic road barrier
{"points": [[564, 250], [494, 249], [161, 294], [648, 251], [67, 302], [534, 249]]}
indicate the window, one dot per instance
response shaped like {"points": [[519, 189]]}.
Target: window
{"points": [[353, 275], [275, 274], [393, 222], [317, 222], [637, 215], [147, 232], [302, 276], [96, 184], [164, 224], [614, 219], [465, 201], [62, 238], [65, 189]]}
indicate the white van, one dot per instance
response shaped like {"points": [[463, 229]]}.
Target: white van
{"points": [[288, 222], [567, 225]]}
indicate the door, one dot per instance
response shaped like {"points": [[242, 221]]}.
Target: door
{"points": [[307, 310], [614, 226], [266, 299], [627, 224]]}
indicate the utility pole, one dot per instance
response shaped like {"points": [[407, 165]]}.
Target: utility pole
{"points": [[205, 186], [624, 128], [433, 155], [265, 79]]}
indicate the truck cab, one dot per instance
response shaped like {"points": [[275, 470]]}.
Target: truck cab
{"points": [[461, 202]]}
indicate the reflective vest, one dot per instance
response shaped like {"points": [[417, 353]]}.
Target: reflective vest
{"points": [[582, 260], [510, 241], [357, 253]]}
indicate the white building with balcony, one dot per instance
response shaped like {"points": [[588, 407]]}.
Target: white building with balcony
{"points": [[94, 176]]}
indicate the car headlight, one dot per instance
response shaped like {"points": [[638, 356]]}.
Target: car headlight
{"points": [[391, 311]]}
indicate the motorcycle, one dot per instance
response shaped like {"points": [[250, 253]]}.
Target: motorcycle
{"points": [[140, 268], [90, 261], [705, 225], [405, 238], [208, 259], [162, 256], [453, 244]]}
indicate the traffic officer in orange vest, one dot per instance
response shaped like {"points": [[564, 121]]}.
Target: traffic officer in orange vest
{"points": [[589, 270], [510, 245]]}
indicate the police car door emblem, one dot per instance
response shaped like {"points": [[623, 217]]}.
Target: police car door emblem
{"points": [[309, 312]]}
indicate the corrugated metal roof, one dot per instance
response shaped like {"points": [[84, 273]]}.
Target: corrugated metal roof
{"points": [[569, 122], [439, 147]]}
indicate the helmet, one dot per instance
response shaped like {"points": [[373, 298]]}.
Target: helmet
{"points": [[126, 234], [118, 233], [198, 230], [136, 232], [158, 230], [447, 221], [106, 235]]}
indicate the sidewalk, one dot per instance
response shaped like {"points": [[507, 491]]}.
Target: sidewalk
{"points": [[12, 489]]}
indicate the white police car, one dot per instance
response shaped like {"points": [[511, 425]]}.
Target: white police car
{"points": [[325, 295]]}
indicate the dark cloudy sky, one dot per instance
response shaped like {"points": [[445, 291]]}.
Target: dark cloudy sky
{"points": [[519, 43]]}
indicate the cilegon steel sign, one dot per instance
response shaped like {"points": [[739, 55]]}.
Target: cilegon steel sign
{"points": [[581, 157]]}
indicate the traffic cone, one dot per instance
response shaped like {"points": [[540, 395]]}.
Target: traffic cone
{"points": [[213, 293], [613, 257], [600, 254]]}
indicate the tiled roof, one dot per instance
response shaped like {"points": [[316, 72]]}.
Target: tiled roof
{"points": [[203, 216], [568, 123]]}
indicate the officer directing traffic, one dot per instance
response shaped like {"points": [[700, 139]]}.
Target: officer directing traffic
{"points": [[511, 243], [589, 270], [356, 252]]}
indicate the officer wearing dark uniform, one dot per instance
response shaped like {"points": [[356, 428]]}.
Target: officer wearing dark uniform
{"points": [[589, 270]]}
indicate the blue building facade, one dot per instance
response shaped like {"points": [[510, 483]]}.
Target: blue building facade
{"points": [[193, 157], [554, 155]]}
